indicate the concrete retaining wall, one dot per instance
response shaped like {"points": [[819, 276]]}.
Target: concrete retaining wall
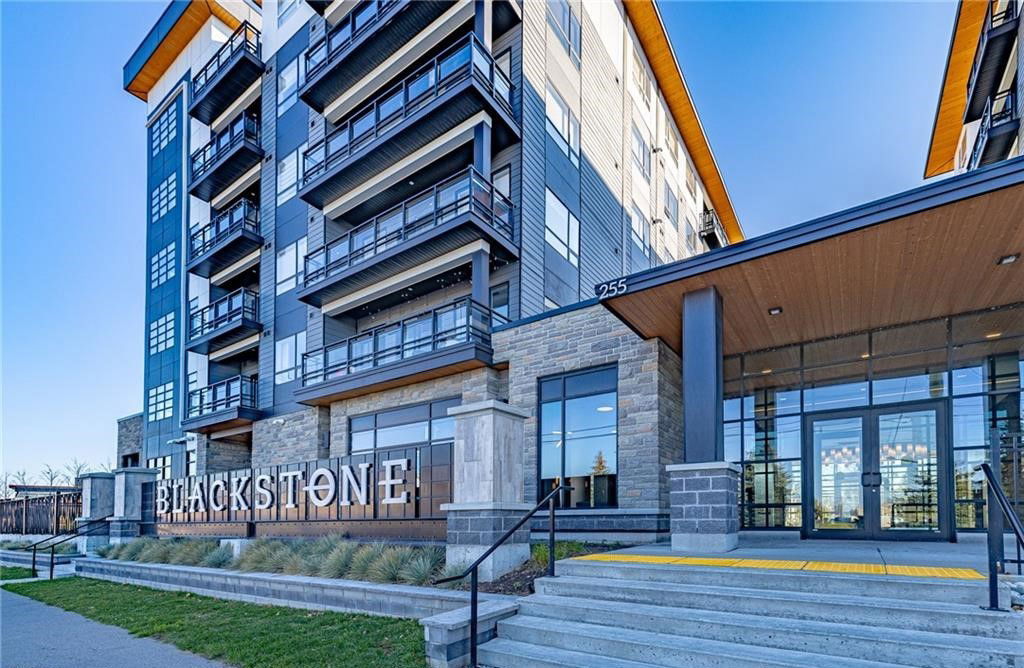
{"points": [[22, 558], [295, 591]]}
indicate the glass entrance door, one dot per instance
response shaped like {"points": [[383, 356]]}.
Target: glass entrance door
{"points": [[877, 474]]}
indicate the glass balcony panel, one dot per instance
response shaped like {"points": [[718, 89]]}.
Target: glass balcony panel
{"points": [[417, 336], [418, 212], [419, 87], [447, 328], [363, 15], [453, 64], [362, 240], [389, 345], [362, 353], [389, 229], [362, 126], [341, 35], [453, 200], [337, 361]]}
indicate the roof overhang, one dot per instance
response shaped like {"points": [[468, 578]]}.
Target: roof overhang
{"points": [[175, 28], [949, 113], [650, 30], [924, 253]]}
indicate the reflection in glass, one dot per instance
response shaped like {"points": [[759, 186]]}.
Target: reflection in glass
{"points": [[969, 489], [908, 462], [908, 388], [837, 451]]}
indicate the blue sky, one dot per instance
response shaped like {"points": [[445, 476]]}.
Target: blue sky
{"points": [[809, 108]]}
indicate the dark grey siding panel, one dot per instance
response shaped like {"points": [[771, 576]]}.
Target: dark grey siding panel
{"points": [[531, 298], [268, 221]]}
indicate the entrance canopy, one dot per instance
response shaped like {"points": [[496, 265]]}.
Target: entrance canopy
{"points": [[940, 249]]}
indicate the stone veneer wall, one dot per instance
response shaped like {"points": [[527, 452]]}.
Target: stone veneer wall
{"points": [[213, 456], [302, 436], [475, 385], [650, 429], [129, 437]]}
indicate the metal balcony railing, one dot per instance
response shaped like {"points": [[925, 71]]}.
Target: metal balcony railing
{"points": [[462, 321], [468, 58], [997, 13], [244, 215], [236, 392], [246, 126], [467, 192], [337, 42], [242, 303], [710, 224], [999, 109], [245, 37]]}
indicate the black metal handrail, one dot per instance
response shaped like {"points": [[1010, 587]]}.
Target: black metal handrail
{"points": [[64, 537], [246, 126], [235, 392], [462, 321], [996, 513], [242, 303], [245, 37], [244, 215], [993, 19], [999, 108], [548, 500], [467, 192], [331, 47], [710, 224], [467, 58]]}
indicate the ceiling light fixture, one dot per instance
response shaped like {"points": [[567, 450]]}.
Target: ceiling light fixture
{"points": [[993, 335], [775, 310], [1008, 259]]}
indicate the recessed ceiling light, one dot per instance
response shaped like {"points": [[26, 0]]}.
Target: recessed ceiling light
{"points": [[604, 409], [864, 356], [993, 335], [775, 310], [411, 182], [1008, 259], [766, 370]]}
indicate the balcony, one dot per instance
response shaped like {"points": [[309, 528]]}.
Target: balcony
{"points": [[441, 342], [228, 404], [226, 158], [226, 239], [440, 219], [227, 320], [997, 131], [711, 230], [436, 98], [995, 48], [231, 71]]}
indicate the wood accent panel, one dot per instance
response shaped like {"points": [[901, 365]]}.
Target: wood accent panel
{"points": [[432, 374], [953, 98], [650, 29], [930, 264], [177, 41]]}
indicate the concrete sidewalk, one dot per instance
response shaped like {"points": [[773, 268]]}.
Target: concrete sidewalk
{"points": [[36, 635]]}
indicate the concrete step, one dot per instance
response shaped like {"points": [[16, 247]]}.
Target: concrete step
{"points": [[504, 653], [869, 611], [974, 592], [881, 643], [660, 649]]}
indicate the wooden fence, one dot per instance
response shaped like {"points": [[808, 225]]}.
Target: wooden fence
{"points": [[51, 514]]}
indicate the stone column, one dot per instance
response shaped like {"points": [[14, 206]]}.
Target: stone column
{"points": [[704, 506], [124, 525], [487, 487], [97, 503]]}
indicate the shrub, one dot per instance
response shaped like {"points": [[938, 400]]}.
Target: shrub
{"points": [[336, 564], [217, 558], [295, 563], [563, 550], [451, 570], [392, 562], [157, 552], [254, 558], [105, 551], [130, 551], [191, 552], [364, 559], [424, 566]]}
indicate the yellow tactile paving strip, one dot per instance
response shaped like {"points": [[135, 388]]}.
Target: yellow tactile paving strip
{"points": [[793, 565]]}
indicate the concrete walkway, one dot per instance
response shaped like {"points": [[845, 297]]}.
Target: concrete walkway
{"points": [[36, 635]]}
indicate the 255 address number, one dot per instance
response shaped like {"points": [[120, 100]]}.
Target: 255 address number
{"points": [[611, 289]]}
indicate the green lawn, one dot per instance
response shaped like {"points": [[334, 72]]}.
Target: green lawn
{"points": [[243, 634], [14, 572]]}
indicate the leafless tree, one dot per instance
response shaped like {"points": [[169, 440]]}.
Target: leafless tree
{"points": [[50, 475], [22, 477], [73, 469], [107, 465], [5, 485]]}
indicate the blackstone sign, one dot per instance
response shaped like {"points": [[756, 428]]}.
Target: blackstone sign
{"points": [[388, 493]]}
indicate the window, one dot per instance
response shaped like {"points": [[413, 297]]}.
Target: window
{"points": [[578, 441], [692, 238], [285, 8], [691, 180], [289, 175], [289, 78], [640, 233], [160, 403], [162, 466], [163, 198], [290, 264], [499, 303], [641, 154], [409, 425], [672, 143], [671, 205], [563, 126], [190, 462], [288, 357], [161, 333], [501, 179], [641, 79], [161, 265], [567, 28], [164, 129], [193, 380], [562, 229]]}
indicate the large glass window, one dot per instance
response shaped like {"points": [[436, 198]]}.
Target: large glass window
{"points": [[162, 466], [289, 79], [289, 175], [641, 78], [163, 198], [579, 437], [161, 333], [566, 26], [161, 265], [290, 266], [160, 402], [641, 154], [164, 130], [563, 126], [288, 357], [640, 233], [562, 229], [419, 424]]}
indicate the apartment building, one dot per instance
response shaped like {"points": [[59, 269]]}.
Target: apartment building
{"points": [[977, 120]]}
